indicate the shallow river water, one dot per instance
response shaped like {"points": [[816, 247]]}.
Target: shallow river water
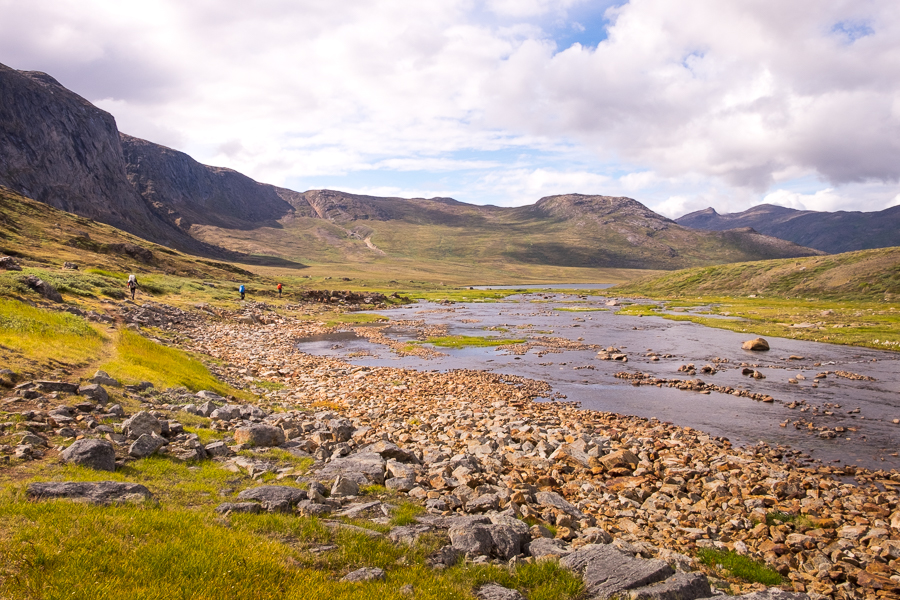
{"points": [[864, 408]]}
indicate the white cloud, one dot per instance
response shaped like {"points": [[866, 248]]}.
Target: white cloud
{"points": [[705, 102]]}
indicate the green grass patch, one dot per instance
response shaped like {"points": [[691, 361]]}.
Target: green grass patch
{"points": [[463, 341], [406, 513], [732, 564], [105, 273], [35, 334], [139, 359], [779, 518]]}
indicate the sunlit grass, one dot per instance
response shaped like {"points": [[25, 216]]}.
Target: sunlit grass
{"points": [[139, 359], [730, 563], [34, 334], [464, 341]]}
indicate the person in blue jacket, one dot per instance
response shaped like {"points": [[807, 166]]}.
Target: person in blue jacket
{"points": [[242, 290]]}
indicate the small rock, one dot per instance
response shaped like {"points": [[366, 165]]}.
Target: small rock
{"points": [[492, 591], [365, 574], [758, 344]]}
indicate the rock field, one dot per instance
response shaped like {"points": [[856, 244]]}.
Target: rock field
{"points": [[623, 501]]}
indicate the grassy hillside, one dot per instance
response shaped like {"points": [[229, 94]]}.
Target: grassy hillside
{"points": [[851, 298], [863, 275], [573, 231]]}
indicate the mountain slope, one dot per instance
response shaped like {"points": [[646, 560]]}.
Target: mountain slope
{"points": [[572, 230], [827, 231], [61, 150]]}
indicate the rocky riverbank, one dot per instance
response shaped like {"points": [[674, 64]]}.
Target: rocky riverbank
{"points": [[508, 478]]}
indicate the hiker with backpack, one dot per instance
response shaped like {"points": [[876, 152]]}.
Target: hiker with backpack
{"points": [[132, 284], [279, 290], [242, 290]]}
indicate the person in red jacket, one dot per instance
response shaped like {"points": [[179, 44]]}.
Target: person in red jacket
{"points": [[279, 290]]}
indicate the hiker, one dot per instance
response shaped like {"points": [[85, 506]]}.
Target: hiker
{"points": [[242, 290], [279, 290], [132, 284]]}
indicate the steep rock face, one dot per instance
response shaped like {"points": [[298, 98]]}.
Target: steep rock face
{"points": [[833, 232], [59, 149], [192, 193]]}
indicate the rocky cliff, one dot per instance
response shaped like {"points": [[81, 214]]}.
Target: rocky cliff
{"points": [[59, 149], [832, 232], [188, 192]]}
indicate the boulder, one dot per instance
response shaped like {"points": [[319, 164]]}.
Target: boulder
{"points": [[206, 409], [757, 344], [42, 287], [554, 500], [218, 449], [274, 498], [390, 451], [239, 507], [225, 413], [103, 378], [619, 460], [773, 594], [608, 572], [571, 456], [95, 392], [494, 540], [492, 591], [366, 465], [146, 445], [365, 574], [56, 386], [400, 484], [96, 492], [542, 547], [8, 263], [96, 454], [344, 486], [410, 534], [142, 423], [681, 586], [484, 503], [259, 435]]}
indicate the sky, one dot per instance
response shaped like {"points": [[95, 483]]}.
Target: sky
{"points": [[679, 104]]}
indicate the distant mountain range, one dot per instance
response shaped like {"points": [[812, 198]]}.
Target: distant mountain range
{"points": [[57, 148], [831, 232]]}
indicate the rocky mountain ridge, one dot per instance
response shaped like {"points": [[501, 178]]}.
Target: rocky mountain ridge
{"points": [[59, 149], [832, 232]]}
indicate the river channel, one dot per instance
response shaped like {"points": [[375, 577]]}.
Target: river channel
{"points": [[861, 410]]}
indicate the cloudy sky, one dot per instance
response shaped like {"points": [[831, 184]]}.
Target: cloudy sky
{"points": [[678, 104]]}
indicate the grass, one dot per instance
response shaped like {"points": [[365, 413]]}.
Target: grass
{"points": [[778, 518], [31, 335], [139, 359], [854, 323], [464, 341], [332, 318], [731, 564]]}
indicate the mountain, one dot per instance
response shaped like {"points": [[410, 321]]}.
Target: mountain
{"points": [[831, 232], [58, 148]]}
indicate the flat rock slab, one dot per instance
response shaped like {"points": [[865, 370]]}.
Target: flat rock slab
{"points": [[492, 591], [608, 572], [368, 464], [410, 534], [365, 574], [274, 496], [773, 594], [681, 586], [554, 500], [94, 492]]}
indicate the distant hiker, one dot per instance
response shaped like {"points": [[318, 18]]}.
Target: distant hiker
{"points": [[132, 284], [279, 290], [242, 290]]}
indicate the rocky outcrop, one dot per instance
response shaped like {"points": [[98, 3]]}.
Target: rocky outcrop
{"points": [[192, 193], [59, 149]]}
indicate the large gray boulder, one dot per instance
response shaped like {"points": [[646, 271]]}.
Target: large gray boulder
{"points": [[259, 435], [391, 451], [274, 498], [366, 465], [103, 378], [681, 586], [142, 423], [494, 540], [42, 287], [95, 392], [97, 492], [609, 572], [225, 413], [541, 547], [146, 445], [96, 454]]}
